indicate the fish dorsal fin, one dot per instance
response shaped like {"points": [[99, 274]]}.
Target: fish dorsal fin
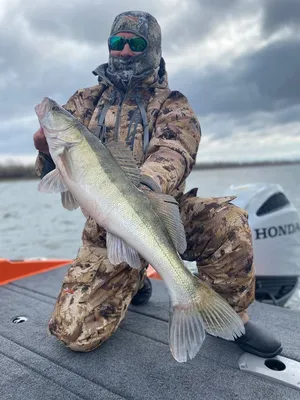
{"points": [[124, 158], [168, 210], [52, 183]]}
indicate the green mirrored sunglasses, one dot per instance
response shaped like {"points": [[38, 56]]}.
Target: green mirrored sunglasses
{"points": [[136, 44]]}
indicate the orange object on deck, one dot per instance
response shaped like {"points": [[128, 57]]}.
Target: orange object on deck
{"points": [[11, 270], [151, 273]]}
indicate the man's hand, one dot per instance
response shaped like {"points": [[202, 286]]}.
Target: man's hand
{"points": [[40, 142]]}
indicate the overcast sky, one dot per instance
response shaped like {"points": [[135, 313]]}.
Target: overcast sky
{"points": [[237, 61]]}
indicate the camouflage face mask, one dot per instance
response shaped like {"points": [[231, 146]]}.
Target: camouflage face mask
{"points": [[123, 70]]}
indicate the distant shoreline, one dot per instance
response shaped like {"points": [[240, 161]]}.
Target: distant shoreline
{"points": [[20, 172], [220, 165], [17, 172]]}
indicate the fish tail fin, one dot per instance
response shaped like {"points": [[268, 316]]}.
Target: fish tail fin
{"points": [[206, 311], [219, 318], [186, 332]]}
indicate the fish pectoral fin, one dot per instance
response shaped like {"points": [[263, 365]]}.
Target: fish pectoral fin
{"points": [[52, 183], [124, 158], [168, 210], [118, 251], [68, 201]]}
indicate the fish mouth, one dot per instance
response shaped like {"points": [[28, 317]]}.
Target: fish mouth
{"points": [[43, 107], [44, 111]]}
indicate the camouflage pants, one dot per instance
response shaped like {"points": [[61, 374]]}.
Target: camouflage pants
{"points": [[95, 295]]}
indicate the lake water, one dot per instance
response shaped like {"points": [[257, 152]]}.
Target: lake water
{"points": [[34, 224]]}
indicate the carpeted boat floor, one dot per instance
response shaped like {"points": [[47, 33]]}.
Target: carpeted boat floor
{"points": [[135, 363]]}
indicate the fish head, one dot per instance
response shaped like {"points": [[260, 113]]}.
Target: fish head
{"points": [[58, 124], [53, 117]]}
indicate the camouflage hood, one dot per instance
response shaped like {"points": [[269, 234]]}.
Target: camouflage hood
{"points": [[124, 72]]}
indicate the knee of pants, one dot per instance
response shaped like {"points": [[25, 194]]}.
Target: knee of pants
{"points": [[235, 238], [215, 225], [237, 235], [89, 310], [219, 239], [224, 248], [89, 328], [87, 338]]}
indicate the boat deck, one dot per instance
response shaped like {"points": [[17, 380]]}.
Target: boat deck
{"points": [[135, 363]]}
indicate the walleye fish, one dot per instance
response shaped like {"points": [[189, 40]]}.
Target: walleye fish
{"points": [[104, 181]]}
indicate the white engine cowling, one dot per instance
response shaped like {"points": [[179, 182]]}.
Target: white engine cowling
{"points": [[275, 226]]}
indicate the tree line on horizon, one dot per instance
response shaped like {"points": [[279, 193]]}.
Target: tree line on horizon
{"points": [[21, 171]]}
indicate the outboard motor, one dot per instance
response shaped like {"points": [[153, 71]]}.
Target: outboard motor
{"points": [[275, 226]]}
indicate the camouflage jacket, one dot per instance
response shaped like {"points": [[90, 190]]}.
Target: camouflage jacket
{"points": [[157, 123]]}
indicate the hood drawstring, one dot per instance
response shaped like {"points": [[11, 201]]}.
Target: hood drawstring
{"points": [[142, 109], [101, 131]]}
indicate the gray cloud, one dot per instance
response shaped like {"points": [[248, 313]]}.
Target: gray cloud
{"points": [[25, 30], [265, 80], [280, 14], [84, 21], [90, 21], [200, 18], [256, 124], [18, 139], [259, 89]]}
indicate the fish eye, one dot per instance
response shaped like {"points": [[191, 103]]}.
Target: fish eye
{"points": [[54, 108]]}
